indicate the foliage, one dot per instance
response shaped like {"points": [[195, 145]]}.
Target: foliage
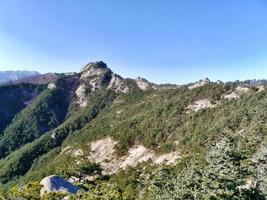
{"points": [[65, 167], [14, 98], [223, 177], [26, 192], [46, 113], [102, 191], [223, 150], [19, 162]]}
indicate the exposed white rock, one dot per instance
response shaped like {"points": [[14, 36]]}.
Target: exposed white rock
{"points": [[93, 69], [260, 88], [78, 152], [117, 83], [55, 183], [219, 82], [51, 86], [241, 89], [168, 159], [94, 76], [103, 152], [242, 132], [75, 152], [73, 179], [199, 105], [103, 149], [250, 184], [237, 93], [53, 135], [142, 83], [119, 111], [136, 154], [80, 93], [199, 84]]}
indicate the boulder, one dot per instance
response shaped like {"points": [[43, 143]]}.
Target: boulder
{"points": [[55, 183]]}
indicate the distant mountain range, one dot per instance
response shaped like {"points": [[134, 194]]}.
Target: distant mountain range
{"points": [[10, 76]]}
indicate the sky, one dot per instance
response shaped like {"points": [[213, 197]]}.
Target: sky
{"points": [[164, 41]]}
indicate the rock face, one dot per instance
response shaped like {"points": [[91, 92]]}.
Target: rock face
{"points": [[51, 86], [118, 84], [54, 183], [199, 84], [103, 152], [260, 88], [237, 93], [95, 76], [143, 84]]}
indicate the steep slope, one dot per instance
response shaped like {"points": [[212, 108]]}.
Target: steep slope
{"points": [[45, 113], [20, 161], [13, 99]]}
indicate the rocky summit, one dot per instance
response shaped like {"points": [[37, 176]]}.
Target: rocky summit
{"points": [[97, 135]]}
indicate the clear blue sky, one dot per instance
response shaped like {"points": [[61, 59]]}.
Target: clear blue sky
{"points": [[176, 41]]}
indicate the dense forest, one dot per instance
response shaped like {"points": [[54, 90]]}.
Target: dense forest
{"points": [[198, 141]]}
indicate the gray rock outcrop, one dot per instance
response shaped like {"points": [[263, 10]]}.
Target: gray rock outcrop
{"points": [[55, 183]]}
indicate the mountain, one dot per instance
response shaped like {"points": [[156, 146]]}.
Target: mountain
{"points": [[97, 135], [8, 76], [37, 79]]}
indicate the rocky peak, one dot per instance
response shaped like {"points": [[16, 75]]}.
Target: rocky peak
{"points": [[118, 84], [95, 75], [94, 67]]}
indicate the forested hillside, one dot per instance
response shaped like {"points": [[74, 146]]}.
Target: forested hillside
{"points": [[117, 138]]}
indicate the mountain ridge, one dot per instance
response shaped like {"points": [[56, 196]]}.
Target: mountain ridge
{"points": [[6, 76], [112, 135]]}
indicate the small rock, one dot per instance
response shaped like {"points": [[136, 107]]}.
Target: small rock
{"points": [[51, 86]]}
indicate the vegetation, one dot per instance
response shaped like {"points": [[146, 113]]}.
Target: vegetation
{"points": [[20, 161], [13, 99], [223, 148]]}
